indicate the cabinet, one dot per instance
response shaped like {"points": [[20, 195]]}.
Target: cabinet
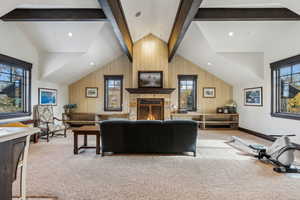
{"points": [[10, 154]]}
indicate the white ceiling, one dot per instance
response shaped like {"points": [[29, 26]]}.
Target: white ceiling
{"points": [[290, 4], [53, 36], [157, 17], [242, 3], [8, 5], [65, 59], [103, 50], [248, 36], [58, 4], [196, 48]]}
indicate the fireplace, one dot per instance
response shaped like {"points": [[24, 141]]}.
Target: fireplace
{"points": [[150, 103], [150, 109]]}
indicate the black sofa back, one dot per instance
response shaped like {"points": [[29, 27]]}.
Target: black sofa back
{"points": [[124, 136]]}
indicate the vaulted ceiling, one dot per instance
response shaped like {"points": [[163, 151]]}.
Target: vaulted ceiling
{"points": [[53, 36], [205, 43], [157, 17]]}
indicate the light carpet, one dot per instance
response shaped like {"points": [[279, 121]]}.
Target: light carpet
{"points": [[36, 198], [218, 172]]}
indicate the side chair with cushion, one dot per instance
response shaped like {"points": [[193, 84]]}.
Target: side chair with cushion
{"points": [[45, 120]]}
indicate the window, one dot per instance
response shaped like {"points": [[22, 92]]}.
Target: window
{"points": [[15, 88], [113, 93], [187, 92], [286, 88]]}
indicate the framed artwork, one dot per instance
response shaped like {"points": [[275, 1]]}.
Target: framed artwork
{"points": [[91, 92], [150, 79], [253, 96], [209, 92], [47, 96]]}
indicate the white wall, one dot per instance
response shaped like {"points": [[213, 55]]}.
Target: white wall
{"points": [[15, 44], [259, 118]]}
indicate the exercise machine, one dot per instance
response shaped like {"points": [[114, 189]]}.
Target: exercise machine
{"points": [[280, 153]]}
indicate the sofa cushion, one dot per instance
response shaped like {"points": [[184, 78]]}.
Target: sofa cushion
{"points": [[180, 122], [180, 128]]}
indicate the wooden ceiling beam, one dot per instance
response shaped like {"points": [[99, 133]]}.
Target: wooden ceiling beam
{"points": [[185, 14], [55, 14], [246, 14], [115, 15]]}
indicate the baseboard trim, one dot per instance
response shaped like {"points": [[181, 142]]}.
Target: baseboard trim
{"points": [[257, 134], [264, 136]]}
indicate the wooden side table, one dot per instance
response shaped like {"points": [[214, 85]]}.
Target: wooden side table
{"points": [[85, 131]]}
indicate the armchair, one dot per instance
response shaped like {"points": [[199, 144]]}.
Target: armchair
{"points": [[45, 120]]}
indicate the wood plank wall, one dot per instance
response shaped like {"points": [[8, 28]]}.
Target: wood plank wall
{"points": [[149, 53], [120, 66], [224, 91]]}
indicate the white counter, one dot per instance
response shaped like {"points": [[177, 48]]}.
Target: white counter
{"points": [[10, 133]]}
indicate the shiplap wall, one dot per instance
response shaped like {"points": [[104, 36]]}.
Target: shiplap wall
{"points": [[120, 66], [149, 53], [180, 65]]}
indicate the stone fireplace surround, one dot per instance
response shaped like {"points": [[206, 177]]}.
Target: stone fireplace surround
{"points": [[133, 103], [150, 109]]}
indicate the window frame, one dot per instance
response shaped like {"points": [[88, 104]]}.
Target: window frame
{"points": [[193, 78], [113, 77], [26, 94], [275, 87]]}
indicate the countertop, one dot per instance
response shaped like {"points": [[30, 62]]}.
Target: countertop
{"points": [[10, 133]]}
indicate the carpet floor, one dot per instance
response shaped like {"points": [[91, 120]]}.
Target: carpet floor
{"points": [[218, 172]]}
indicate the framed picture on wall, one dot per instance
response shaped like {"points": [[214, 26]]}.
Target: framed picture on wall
{"points": [[91, 92], [253, 96], [47, 96], [209, 92], [150, 79]]}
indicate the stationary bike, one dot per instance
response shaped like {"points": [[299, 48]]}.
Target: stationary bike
{"points": [[280, 153]]}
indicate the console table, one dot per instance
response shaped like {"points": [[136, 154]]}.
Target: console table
{"points": [[208, 120], [219, 119], [13, 143]]}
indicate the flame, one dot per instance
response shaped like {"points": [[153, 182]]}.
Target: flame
{"points": [[150, 117]]}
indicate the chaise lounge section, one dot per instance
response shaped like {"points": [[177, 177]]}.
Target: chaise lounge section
{"points": [[124, 136]]}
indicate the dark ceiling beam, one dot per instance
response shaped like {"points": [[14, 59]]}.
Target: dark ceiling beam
{"points": [[185, 14], [55, 14], [246, 14], [115, 15]]}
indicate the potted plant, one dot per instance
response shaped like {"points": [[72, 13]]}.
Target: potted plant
{"points": [[68, 108]]}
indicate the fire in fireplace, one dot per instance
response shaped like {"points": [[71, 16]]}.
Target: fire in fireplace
{"points": [[150, 109], [150, 117]]}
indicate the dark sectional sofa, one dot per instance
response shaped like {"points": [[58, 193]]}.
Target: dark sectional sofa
{"points": [[125, 136]]}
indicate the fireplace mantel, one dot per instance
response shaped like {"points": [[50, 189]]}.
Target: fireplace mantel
{"points": [[150, 90]]}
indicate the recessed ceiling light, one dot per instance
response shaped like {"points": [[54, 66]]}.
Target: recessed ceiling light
{"points": [[231, 34], [209, 63], [92, 63], [70, 34], [138, 14]]}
